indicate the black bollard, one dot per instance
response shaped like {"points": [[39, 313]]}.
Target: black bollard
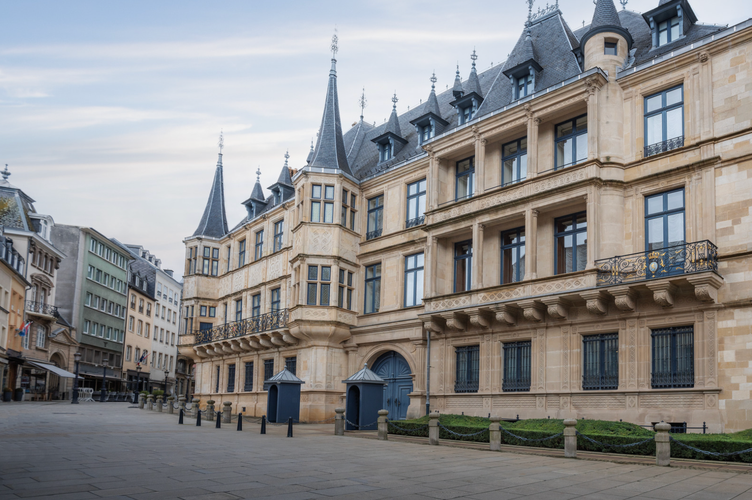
{"points": [[180, 419], [263, 424], [240, 421], [198, 419], [289, 427], [219, 420]]}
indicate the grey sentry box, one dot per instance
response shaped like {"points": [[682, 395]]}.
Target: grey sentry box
{"points": [[283, 397], [365, 397]]}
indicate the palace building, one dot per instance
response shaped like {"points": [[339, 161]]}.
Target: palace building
{"points": [[566, 234]]}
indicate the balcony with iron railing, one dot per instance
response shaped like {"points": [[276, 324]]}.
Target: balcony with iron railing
{"points": [[41, 308], [417, 221], [262, 323], [373, 234], [687, 258], [662, 147]]}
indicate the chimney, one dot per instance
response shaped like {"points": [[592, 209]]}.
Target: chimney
{"points": [[169, 272]]}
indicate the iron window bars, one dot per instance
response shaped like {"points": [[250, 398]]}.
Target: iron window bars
{"points": [[468, 369], [600, 362], [673, 358], [516, 366]]}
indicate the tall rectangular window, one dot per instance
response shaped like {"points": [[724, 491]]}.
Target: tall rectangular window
{"points": [[259, 247], [343, 211], [523, 86], [276, 300], [514, 161], [229, 258], [215, 262], [291, 364], [375, 217], [313, 277], [516, 367], [373, 289], [238, 309], [344, 298], [571, 142], [206, 261], [353, 210], [414, 280], [231, 378], [248, 381], [256, 305], [664, 121], [241, 253], [416, 203], [467, 369], [216, 386], [315, 202], [673, 358], [664, 228], [268, 369], [329, 205], [326, 286], [600, 362], [278, 229], [513, 255], [571, 243], [464, 179], [668, 31], [463, 265]]}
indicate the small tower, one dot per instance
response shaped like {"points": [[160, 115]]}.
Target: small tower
{"points": [[214, 221], [606, 44]]}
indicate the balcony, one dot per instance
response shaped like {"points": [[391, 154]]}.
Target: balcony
{"points": [[373, 234], [676, 260], [41, 309], [662, 147], [265, 322], [418, 221]]}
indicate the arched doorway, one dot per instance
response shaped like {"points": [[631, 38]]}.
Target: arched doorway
{"points": [[55, 387], [395, 371]]}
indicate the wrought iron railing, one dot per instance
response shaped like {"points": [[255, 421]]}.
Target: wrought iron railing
{"points": [[468, 386], [373, 234], [415, 222], [262, 323], [39, 307], [516, 385], [662, 147], [679, 259]]}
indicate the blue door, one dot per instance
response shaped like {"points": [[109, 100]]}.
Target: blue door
{"points": [[395, 371]]}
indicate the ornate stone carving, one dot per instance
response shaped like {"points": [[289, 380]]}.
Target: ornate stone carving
{"points": [[557, 307], [506, 314], [532, 310], [706, 286], [456, 321], [479, 319], [703, 57], [663, 293], [624, 298], [596, 302]]}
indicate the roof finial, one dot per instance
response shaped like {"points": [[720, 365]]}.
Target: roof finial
{"points": [[394, 100], [529, 12], [287, 157], [312, 144], [221, 142], [622, 2], [335, 47], [433, 81], [258, 174], [363, 102], [5, 173], [474, 57]]}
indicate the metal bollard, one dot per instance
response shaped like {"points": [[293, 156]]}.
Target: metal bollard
{"points": [[570, 438], [339, 422], [662, 444], [180, 417], [263, 424], [289, 427], [240, 421], [494, 434], [383, 425], [170, 407], [219, 420], [195, 407], [198, 419], [227, 412], [433, 428]]}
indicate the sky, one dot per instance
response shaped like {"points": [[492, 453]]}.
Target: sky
{"points": [[110, 112]]}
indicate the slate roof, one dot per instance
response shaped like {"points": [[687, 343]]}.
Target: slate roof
{"points": [[142, 267], [605, 14], [285, 377], [330, 149], [268, 202], [365, 376], [214, 221]]}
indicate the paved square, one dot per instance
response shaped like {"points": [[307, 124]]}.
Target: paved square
{"points": [[93, 450]]}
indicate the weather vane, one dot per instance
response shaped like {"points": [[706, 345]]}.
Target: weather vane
{"points": [[362, 102], [221, 142], [335, 47]]}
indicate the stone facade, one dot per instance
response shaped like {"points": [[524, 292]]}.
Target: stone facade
{"points": [[618, 285]]}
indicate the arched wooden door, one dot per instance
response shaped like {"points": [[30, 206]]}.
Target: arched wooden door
{"points": [[395, 371]]}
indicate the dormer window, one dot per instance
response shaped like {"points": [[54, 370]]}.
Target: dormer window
{"points": [[468, 112], [524, 86], [385, 151], [610, 48], [668, 30], [427, 132], [277, 197]]}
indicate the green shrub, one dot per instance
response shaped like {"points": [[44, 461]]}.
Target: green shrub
{"points": [[719, 443], [157, 393]]}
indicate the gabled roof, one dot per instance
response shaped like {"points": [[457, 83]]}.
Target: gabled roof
{"points": [[285, 377], [330, 150], [365, 376], [214, 221]]}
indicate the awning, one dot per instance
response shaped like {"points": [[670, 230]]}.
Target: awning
{"points": [[52, 369]]}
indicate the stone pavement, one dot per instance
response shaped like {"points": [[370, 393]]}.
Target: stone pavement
{"points": [[94, 450]]}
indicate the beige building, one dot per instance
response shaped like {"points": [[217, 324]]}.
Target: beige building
{"points": [[139, 329], [566, 234]]}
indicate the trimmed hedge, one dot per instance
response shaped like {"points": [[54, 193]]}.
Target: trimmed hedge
{"points": [[616, 433]]}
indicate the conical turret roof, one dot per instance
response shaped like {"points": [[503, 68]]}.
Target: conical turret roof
{"points": [[214, 221], [473, 84], [457, 89], [605, 19], [393, 126]]}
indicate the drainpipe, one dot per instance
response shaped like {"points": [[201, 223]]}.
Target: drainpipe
{"points": [[428, 372]]}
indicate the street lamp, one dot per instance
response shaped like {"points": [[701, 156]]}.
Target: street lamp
{"points": [[138, 383], [103, 392], [74, 399], [166, 374]]}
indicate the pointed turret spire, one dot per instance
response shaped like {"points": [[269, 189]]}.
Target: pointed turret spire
{"points": [[605, 19], [284, 175], [310, 154], [214, 221], [5, 173], [258, 192], [432, 103], [457, 89], [393, 126], [330, 150], [473, 84], [431, 116]]}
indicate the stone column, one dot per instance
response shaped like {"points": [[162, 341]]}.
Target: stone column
{"points": [[150, 402], [570, 438], [480, 163], [532, 145], [434, 255], [170, 408], [494, 433], [226, 412], [158, 404], [382, 425], [434, 164], [662, 445], [339, 422], [477, 279], [531, 244], [592, 118], [433, 428]]}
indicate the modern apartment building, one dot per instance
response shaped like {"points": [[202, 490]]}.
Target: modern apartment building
{"points": [[566, 234]]}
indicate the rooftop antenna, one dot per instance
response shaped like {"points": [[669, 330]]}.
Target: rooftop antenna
{"points": [[221, 142], [363, 102], [5, 173], [623, 4]]}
